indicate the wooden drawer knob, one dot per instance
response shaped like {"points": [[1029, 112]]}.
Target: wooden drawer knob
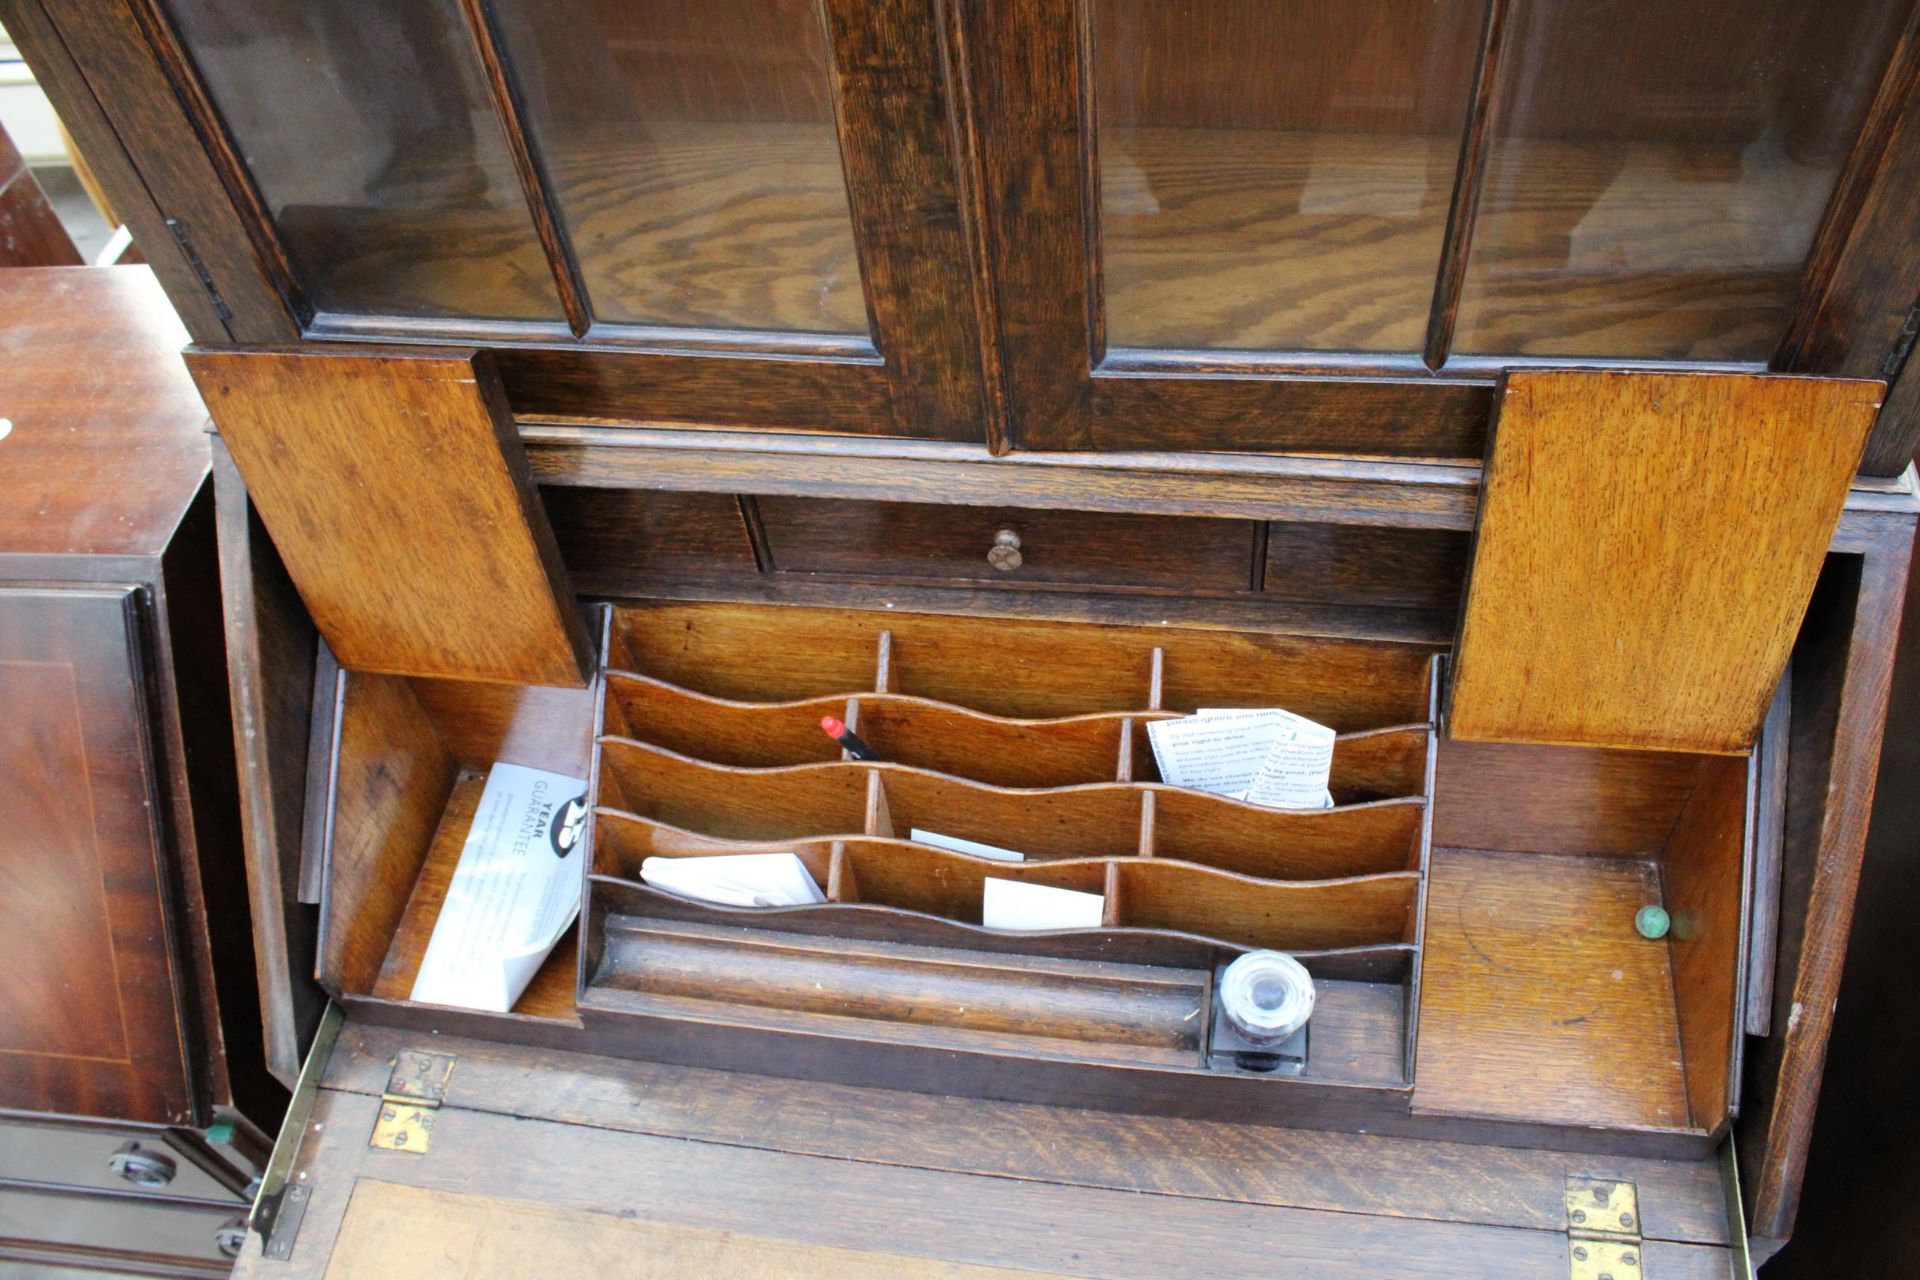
{"points": [[1004, 554]]}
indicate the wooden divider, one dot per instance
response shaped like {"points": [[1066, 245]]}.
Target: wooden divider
{"points": [[1027, 736]]}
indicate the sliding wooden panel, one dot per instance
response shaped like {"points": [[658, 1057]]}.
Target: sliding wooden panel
{"points": [[398, 494], [1646, 548]]}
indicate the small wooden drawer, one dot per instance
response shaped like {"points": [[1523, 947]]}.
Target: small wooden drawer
{"points": [[1007, 546], [640, 531], [1354, 565]]}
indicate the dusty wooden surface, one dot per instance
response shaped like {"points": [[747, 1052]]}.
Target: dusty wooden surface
{"points": [[540, 1156]]}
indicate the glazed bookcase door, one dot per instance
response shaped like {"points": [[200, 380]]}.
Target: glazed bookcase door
{"points": [[740, 214], [1282, 225]]}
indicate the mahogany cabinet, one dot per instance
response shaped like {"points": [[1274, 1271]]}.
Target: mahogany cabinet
{"points": [[134, 1104], [1518, 387]]}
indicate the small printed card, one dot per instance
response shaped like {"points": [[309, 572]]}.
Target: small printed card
{"points": [[1263, 756], [1020, 907], [954, 844], [515, 890], [737, 879]]}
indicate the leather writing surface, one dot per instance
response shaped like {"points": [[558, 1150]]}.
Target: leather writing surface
{"points": [[1646, 548]]}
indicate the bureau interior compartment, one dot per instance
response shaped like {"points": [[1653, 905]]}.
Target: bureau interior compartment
{"points": [[1540, 1001], [409, 760], [1026, 736]]}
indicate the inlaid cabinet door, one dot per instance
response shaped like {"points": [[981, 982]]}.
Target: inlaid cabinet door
{"points": [[90, 1020], [1300, 226]]}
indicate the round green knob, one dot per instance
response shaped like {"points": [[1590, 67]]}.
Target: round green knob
{"points": [[1652, 922]]}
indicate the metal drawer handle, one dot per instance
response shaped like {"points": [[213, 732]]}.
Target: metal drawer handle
{"points": [[1004, 554], [141, 1168]]}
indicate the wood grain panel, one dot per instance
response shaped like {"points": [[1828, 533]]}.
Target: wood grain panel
{"points": [[99, 405], [1539, 1000], [1702, 871], [1573, 800], [438, 1235], [1008, 1223], [399, 497], [1393, 417], [1030, 669], [272, 648], [922, 540], [392, 779], [1229, 1160], [90, 998], [636, 530], [1842, 670], [1361, 567], [1646, 548]]}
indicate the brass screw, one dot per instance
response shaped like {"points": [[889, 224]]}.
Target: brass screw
{"points": [[1626, 1219], [1579, 1215], [1628, 1258], [1579, 1253]]}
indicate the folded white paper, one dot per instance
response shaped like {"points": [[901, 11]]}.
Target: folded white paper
{"points": [[514, 891], [1026, 908], [957, 845], [1264, 756], [736, 879]]}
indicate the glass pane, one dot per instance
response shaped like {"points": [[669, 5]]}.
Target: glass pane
{"points": [[1275, 174], [1658, 170], [369, 133], [693, 153]]}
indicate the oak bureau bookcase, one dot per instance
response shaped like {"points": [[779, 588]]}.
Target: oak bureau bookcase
{"points": [[1519, 387]]}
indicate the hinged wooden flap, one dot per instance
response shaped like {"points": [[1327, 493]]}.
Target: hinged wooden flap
{"points": [[1647, 544], [394, 484]]}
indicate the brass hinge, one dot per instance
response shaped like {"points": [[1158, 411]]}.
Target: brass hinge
{"points": [[414, 1092], [1603, 1229]]}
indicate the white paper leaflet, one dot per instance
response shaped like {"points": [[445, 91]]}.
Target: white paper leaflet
{"points": [[1263, 756], [515, 890]]}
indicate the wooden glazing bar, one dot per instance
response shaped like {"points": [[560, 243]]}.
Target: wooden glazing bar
{"points": [[1475, 144], [568, 282]]}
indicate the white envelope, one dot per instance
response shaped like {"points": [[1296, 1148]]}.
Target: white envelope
{"points": [[736, 879], [956, 845], [1029, 908]]}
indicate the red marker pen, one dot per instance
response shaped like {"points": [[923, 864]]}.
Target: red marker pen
{"points": [[848, 739]]}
